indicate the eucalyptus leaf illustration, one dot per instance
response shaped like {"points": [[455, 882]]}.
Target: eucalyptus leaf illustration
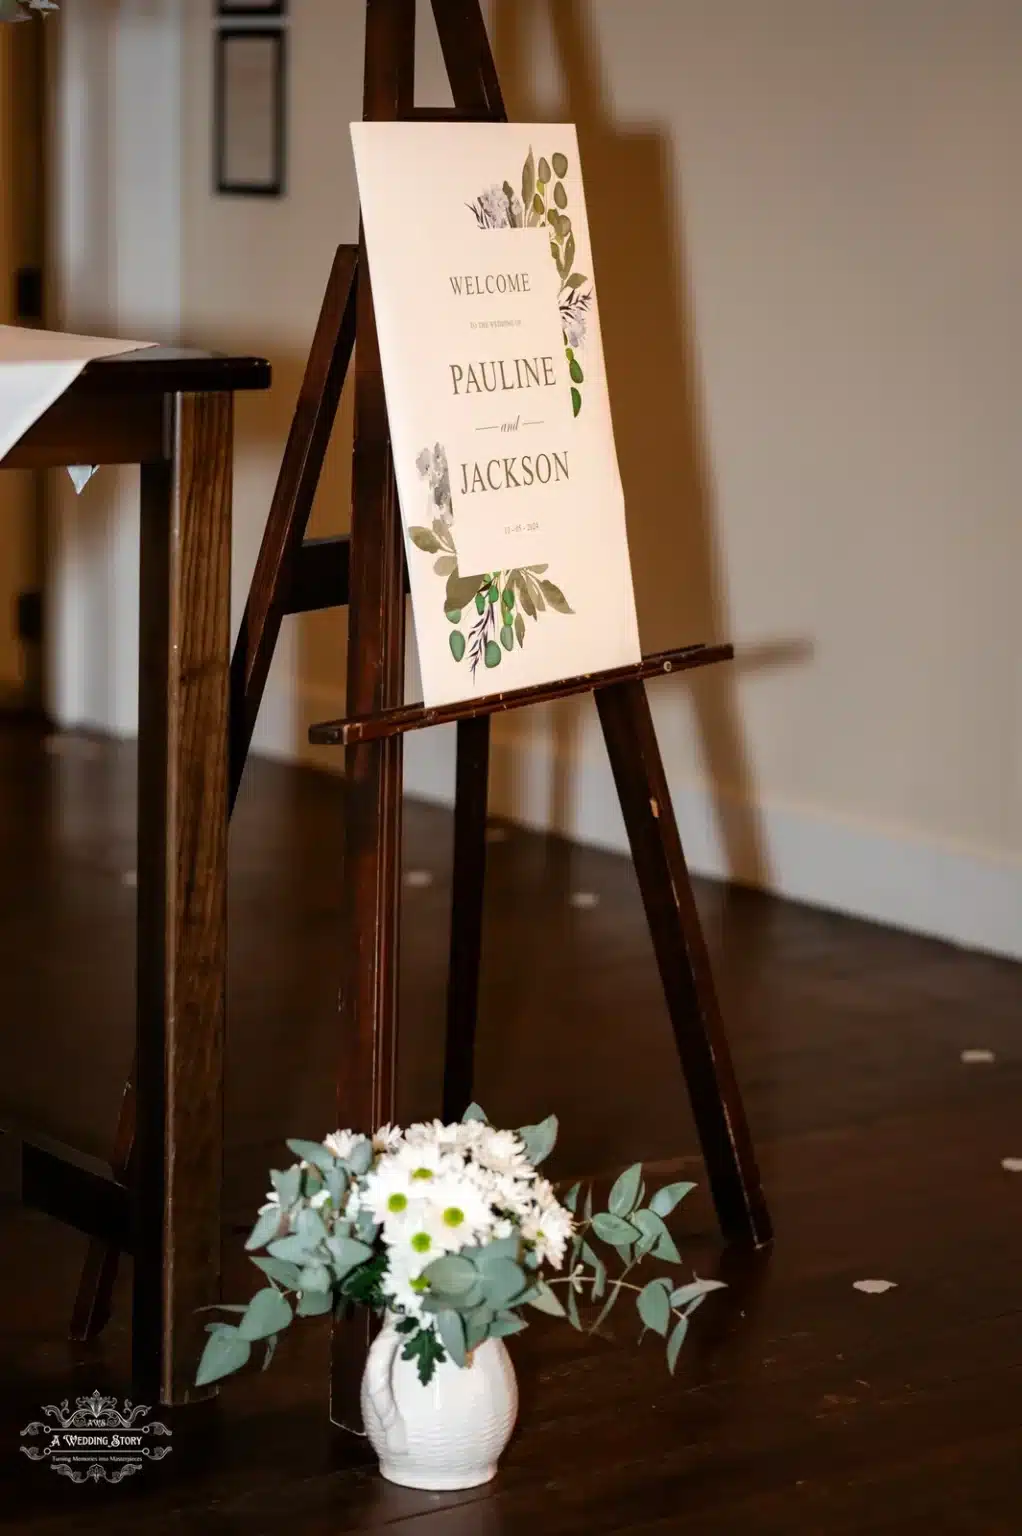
{"points": [[560, 164], [423, 539], [543, 171], [491, 654], [457, 643], [560, 196], [528, 179]]}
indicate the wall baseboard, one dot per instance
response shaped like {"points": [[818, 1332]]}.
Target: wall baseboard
{"points": [[884, 875]]}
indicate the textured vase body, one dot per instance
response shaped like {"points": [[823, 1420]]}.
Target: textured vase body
{"points": [[448, 1434]]}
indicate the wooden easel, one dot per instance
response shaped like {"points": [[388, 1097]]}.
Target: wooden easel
{"points": [[366, 570]]}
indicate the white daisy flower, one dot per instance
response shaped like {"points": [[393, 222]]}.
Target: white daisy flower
{"points": [[401, 1282], [388, 1193], [503, 1152], [549, 1227], [387, 1138], [341, 1143], [423, 1161], [457, 1214]]}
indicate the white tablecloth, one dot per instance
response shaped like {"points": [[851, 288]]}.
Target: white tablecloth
{"points": [[36, 367]]}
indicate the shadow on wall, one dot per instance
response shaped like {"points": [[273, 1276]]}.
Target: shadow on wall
{"points": [[648, 341]]}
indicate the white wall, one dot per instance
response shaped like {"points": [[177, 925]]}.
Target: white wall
{"points": [[807, 236], [115, 266]]}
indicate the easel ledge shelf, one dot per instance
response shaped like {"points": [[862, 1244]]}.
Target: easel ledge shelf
{"points": [[415, 717]]}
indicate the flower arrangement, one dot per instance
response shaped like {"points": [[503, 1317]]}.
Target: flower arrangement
{"points": [[452, 1231]]}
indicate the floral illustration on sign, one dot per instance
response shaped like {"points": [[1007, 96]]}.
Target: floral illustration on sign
{"points": [[541, 205], [491, 607]]}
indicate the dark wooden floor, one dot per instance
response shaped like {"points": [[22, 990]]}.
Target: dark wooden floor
{"points": [[801, 1404]]}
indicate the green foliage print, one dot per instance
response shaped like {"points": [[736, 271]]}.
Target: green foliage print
{"points": [[543, 203], [486, 613]]}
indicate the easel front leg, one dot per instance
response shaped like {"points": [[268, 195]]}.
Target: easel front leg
{"points": [[467, 881], [683, 962]]}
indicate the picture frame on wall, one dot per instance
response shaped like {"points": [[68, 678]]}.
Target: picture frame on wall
{"points": [[249, 111], [255, 8]]}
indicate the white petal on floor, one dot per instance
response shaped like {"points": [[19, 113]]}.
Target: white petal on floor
{"points": [[874, 1287], [972, 1057], [418, 879], [1012, 1164], [583, 901]]}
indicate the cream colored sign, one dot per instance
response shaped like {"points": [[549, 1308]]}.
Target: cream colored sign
{"points": [[493, 368]]}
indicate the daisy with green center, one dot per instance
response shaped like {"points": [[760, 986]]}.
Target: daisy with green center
{"points": [[458, 1213], [388, 1192]]}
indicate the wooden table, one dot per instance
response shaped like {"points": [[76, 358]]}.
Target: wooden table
{"points": [[170, 411]]}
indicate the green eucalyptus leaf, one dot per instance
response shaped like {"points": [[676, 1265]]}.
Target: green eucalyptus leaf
{"points": [[480, 602], [452, 1333], [560, 164], [291, 1247], [491, 655], [654, 1308], [675, 1342], [587, 1209], [545, 1300], [575, 280], [461, 590], [315, 1277], [478, 1323], [528, 179], [504, 1326], [503, 1282], [696, 1290], [569, 249], [539, 1140], [543, 171], [267, 1226], [623, 1195], [452, 1274], [560, 196], [287, 1184], [665, 1199], [520, 629], [577, 377], [507, 638], [538, 206], [524, 597], [280, 1270], [425, 539], [366, 1226], [268, 1312], [570, 1201], [347, 1253], [452, 615], [614, 1229], [314, 1303], [310, 1227], [473, 1112], [576, 402], [313, 1152], [360, 1158], [573, 1317], [656, 1238], [225, 1352], [456, 640]]}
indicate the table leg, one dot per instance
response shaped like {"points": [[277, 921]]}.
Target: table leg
{"points": [[182, 893]]}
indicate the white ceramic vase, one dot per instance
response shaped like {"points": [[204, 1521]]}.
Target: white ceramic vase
{"points": [[449, 1434]]}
